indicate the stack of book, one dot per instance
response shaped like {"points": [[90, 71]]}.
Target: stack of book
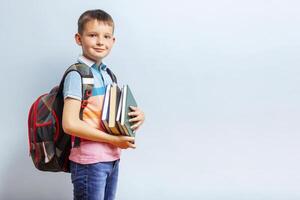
{"points": [[115, 110]]}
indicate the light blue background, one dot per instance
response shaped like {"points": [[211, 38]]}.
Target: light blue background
{"points": [[218, 81]]}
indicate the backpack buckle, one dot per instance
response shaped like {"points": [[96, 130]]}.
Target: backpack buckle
{"points": [[84, 103]]}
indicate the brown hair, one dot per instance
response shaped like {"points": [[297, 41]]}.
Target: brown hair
{"points": [[97, 14]]}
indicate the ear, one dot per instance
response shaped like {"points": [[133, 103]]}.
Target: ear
{"points": [[78, 39]]}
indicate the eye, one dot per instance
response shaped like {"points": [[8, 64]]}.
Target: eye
{"points": [[107, 36], [92, 35]]}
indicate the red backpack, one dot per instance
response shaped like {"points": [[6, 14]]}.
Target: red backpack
{"points": [[49, 145]]}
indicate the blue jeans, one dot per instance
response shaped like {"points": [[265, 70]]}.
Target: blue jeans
{"points": [[95, 181]]}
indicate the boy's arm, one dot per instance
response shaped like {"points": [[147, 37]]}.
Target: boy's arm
{"points": [[73, 125]]}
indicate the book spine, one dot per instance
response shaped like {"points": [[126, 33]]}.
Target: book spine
{"points": [[106, 126], [123, 112], [115, 130], [121, 128]]}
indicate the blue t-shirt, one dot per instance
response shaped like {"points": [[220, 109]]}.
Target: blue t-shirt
{"points": [[73, 87]]}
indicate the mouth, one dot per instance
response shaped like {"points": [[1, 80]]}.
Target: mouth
{"points": [[99, 50]]}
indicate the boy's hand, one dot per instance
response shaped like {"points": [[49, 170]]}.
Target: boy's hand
{"points": [[124, 142], [137, 116]]}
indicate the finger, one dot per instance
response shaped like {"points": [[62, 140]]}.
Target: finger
{"points": [[138, 125], [135, 126], [134, 113], [136, 129], [131, 145], [133, 108], [135, 119], [129, 139]]}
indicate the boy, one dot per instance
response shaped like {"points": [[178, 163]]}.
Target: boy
{"points": [[95, 162]]}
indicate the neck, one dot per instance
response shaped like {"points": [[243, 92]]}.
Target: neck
{"points": [[97, 62]]}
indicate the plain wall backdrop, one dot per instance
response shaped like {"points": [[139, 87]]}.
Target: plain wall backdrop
{"points": [[218, 81]]}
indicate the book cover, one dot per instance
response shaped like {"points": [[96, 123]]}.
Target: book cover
{"points": [[105, 108], [128, 100], [118, 118]]}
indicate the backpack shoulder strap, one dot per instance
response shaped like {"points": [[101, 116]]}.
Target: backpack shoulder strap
{"points": [[112, 75], [87, 78], [87, 84]]}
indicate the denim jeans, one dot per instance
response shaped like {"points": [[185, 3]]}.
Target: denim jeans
{"points": [[95, 181]]}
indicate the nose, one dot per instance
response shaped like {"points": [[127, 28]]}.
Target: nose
{"points": [[100, 40]]}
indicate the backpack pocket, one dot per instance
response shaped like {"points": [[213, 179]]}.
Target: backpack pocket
{"points": [[43, 132]]}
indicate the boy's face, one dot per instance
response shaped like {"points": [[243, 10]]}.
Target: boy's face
{"points": [[96, 40]]}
